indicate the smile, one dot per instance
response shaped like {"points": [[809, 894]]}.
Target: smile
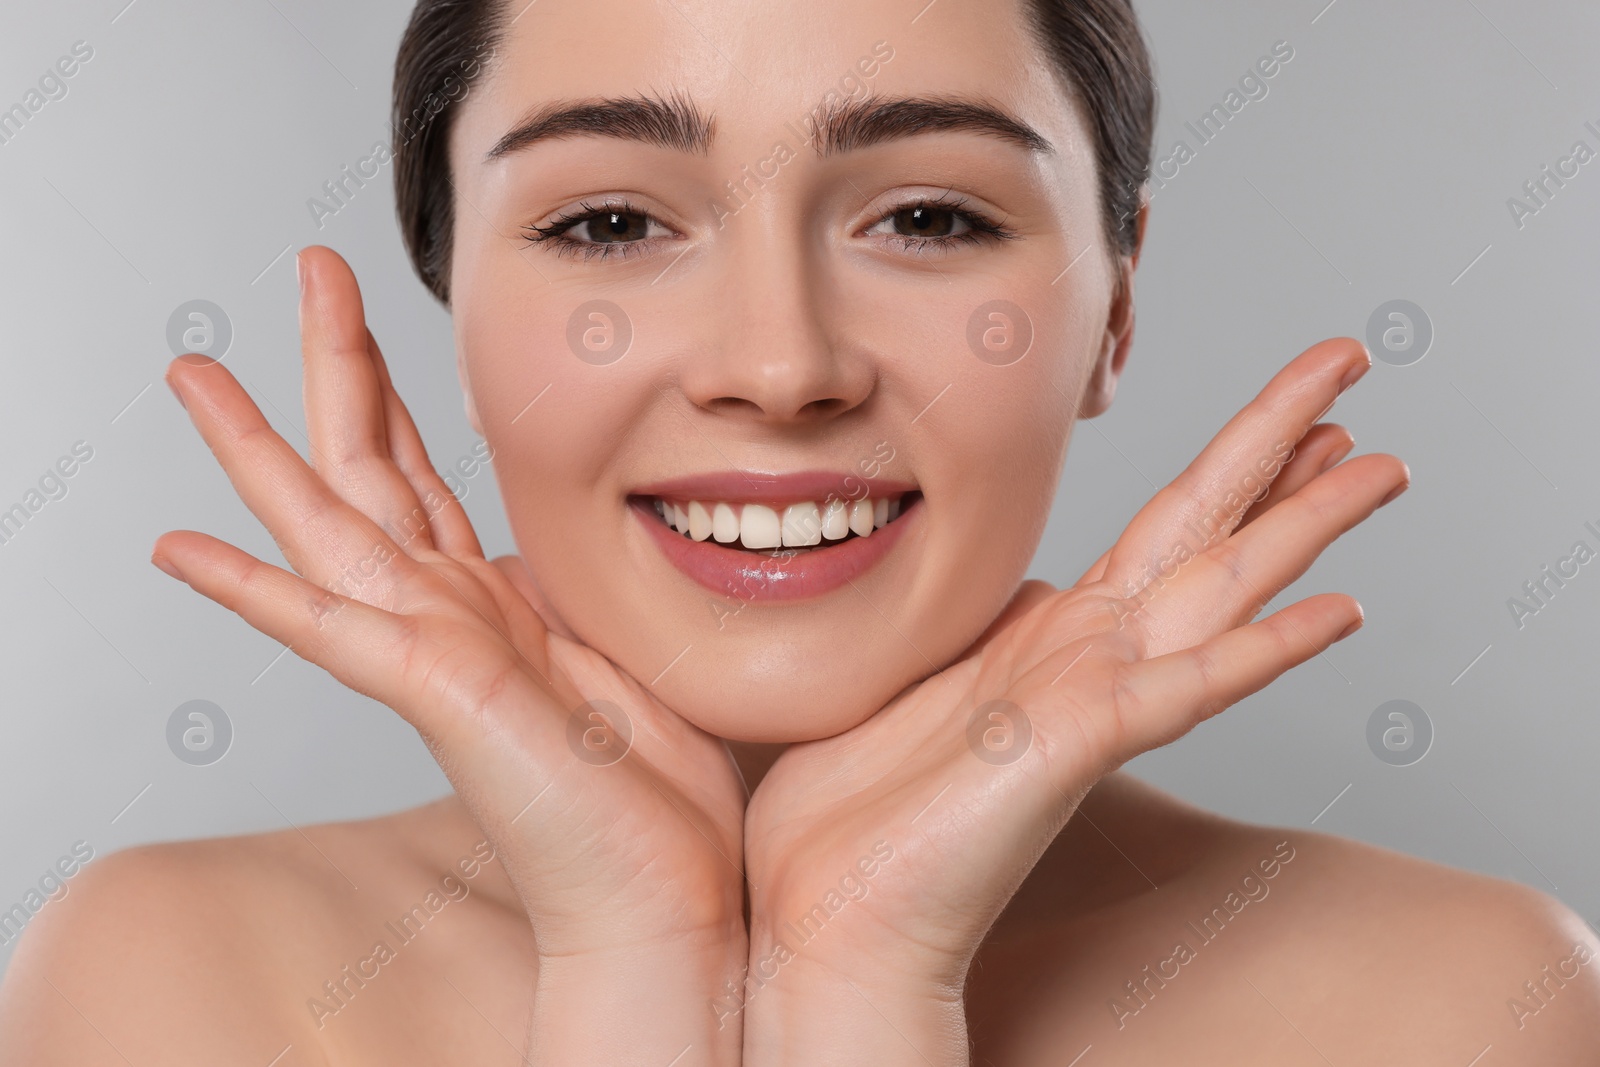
{"points": [[770, 537]]}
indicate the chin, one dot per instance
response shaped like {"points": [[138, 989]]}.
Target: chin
{"points": [[788, 710]]}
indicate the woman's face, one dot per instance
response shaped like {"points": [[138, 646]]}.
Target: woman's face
{"points": [[776, 303]]}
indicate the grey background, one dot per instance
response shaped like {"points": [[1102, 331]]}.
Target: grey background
{"points": [[1378, 167]]}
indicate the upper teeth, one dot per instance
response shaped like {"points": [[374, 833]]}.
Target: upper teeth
{"points": [[797, 525]]}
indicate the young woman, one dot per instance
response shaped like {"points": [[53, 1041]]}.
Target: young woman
{"points": [[777, 319]]}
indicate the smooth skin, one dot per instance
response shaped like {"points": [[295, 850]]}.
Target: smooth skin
{"points": [[996, 909], [606, 927]]}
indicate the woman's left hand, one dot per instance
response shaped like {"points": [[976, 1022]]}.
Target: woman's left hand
{"points": [[879, 858]]}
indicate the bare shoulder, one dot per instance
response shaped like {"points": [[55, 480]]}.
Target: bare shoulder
{"points": [[1264, 944], [158, 953], [194, 951], [1450, 960]]}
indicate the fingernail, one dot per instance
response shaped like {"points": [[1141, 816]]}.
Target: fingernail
{"points": [[300, 273], [1351, 375], [1396, 491], [175, 393], [167, 565], [1348, 630]]}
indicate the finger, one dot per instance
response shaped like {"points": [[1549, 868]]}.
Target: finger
{"points": [[1205, 503], [1231, 583], [1161, 699], [1324, 445], [345, 411], [360, 645], [1095, 572], [451, 529], [325, 539]]}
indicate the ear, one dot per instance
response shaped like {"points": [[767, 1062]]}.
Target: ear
{"points": [[466, 392], [1117, 341]]}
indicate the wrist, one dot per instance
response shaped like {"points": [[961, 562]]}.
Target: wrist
{"points": [[638, 1002], [804, 1011], [832, 936]]}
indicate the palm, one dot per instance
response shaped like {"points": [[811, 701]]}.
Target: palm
{"points": [[579, 777], [654, 792], [941, 775], [969, 774]]}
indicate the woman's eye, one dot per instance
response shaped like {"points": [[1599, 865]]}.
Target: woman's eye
{"points": [[938, 227], [923, 220], [612, 227], [592, 231]]}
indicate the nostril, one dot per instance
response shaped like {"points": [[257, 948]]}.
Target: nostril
{"points": [[813, 411], [732, 405], [830, 406]]}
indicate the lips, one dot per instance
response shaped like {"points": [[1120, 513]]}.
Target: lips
{"points": [[776, 537]]}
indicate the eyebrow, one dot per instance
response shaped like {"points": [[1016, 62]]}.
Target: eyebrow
{"points": [[674, 122], [858, 124], [670, 122]]}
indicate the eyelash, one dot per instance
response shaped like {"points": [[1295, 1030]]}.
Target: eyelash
{"points": [[981, 229], [554, 234]]}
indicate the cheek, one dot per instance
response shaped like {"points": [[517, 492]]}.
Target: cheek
{"points": [[997, 381], [1002, 446], [549, 416], [1004, 390]]}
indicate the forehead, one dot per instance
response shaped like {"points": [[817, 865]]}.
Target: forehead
{"points": [[755, 65]]}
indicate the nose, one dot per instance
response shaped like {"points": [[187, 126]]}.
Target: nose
{"points": [[771, 351]]}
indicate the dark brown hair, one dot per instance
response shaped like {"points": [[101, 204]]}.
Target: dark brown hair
{"points": [[1096, 46]]}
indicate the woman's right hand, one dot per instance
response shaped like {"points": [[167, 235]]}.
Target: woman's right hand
{"points": [[622, 838]]}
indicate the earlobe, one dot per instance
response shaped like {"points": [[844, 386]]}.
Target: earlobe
{"points": [[469, 404], [1117, 341], [1102, 385], [1115, 344]]}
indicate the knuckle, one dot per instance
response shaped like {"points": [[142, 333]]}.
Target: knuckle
{"points": [[355, 461], [1288, 638], [1310, 504], [318, 511], [254, 438], [258, 582], [1232, 559], [1207, 670], [1125, 701], [408, 641], [479, 706]]}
